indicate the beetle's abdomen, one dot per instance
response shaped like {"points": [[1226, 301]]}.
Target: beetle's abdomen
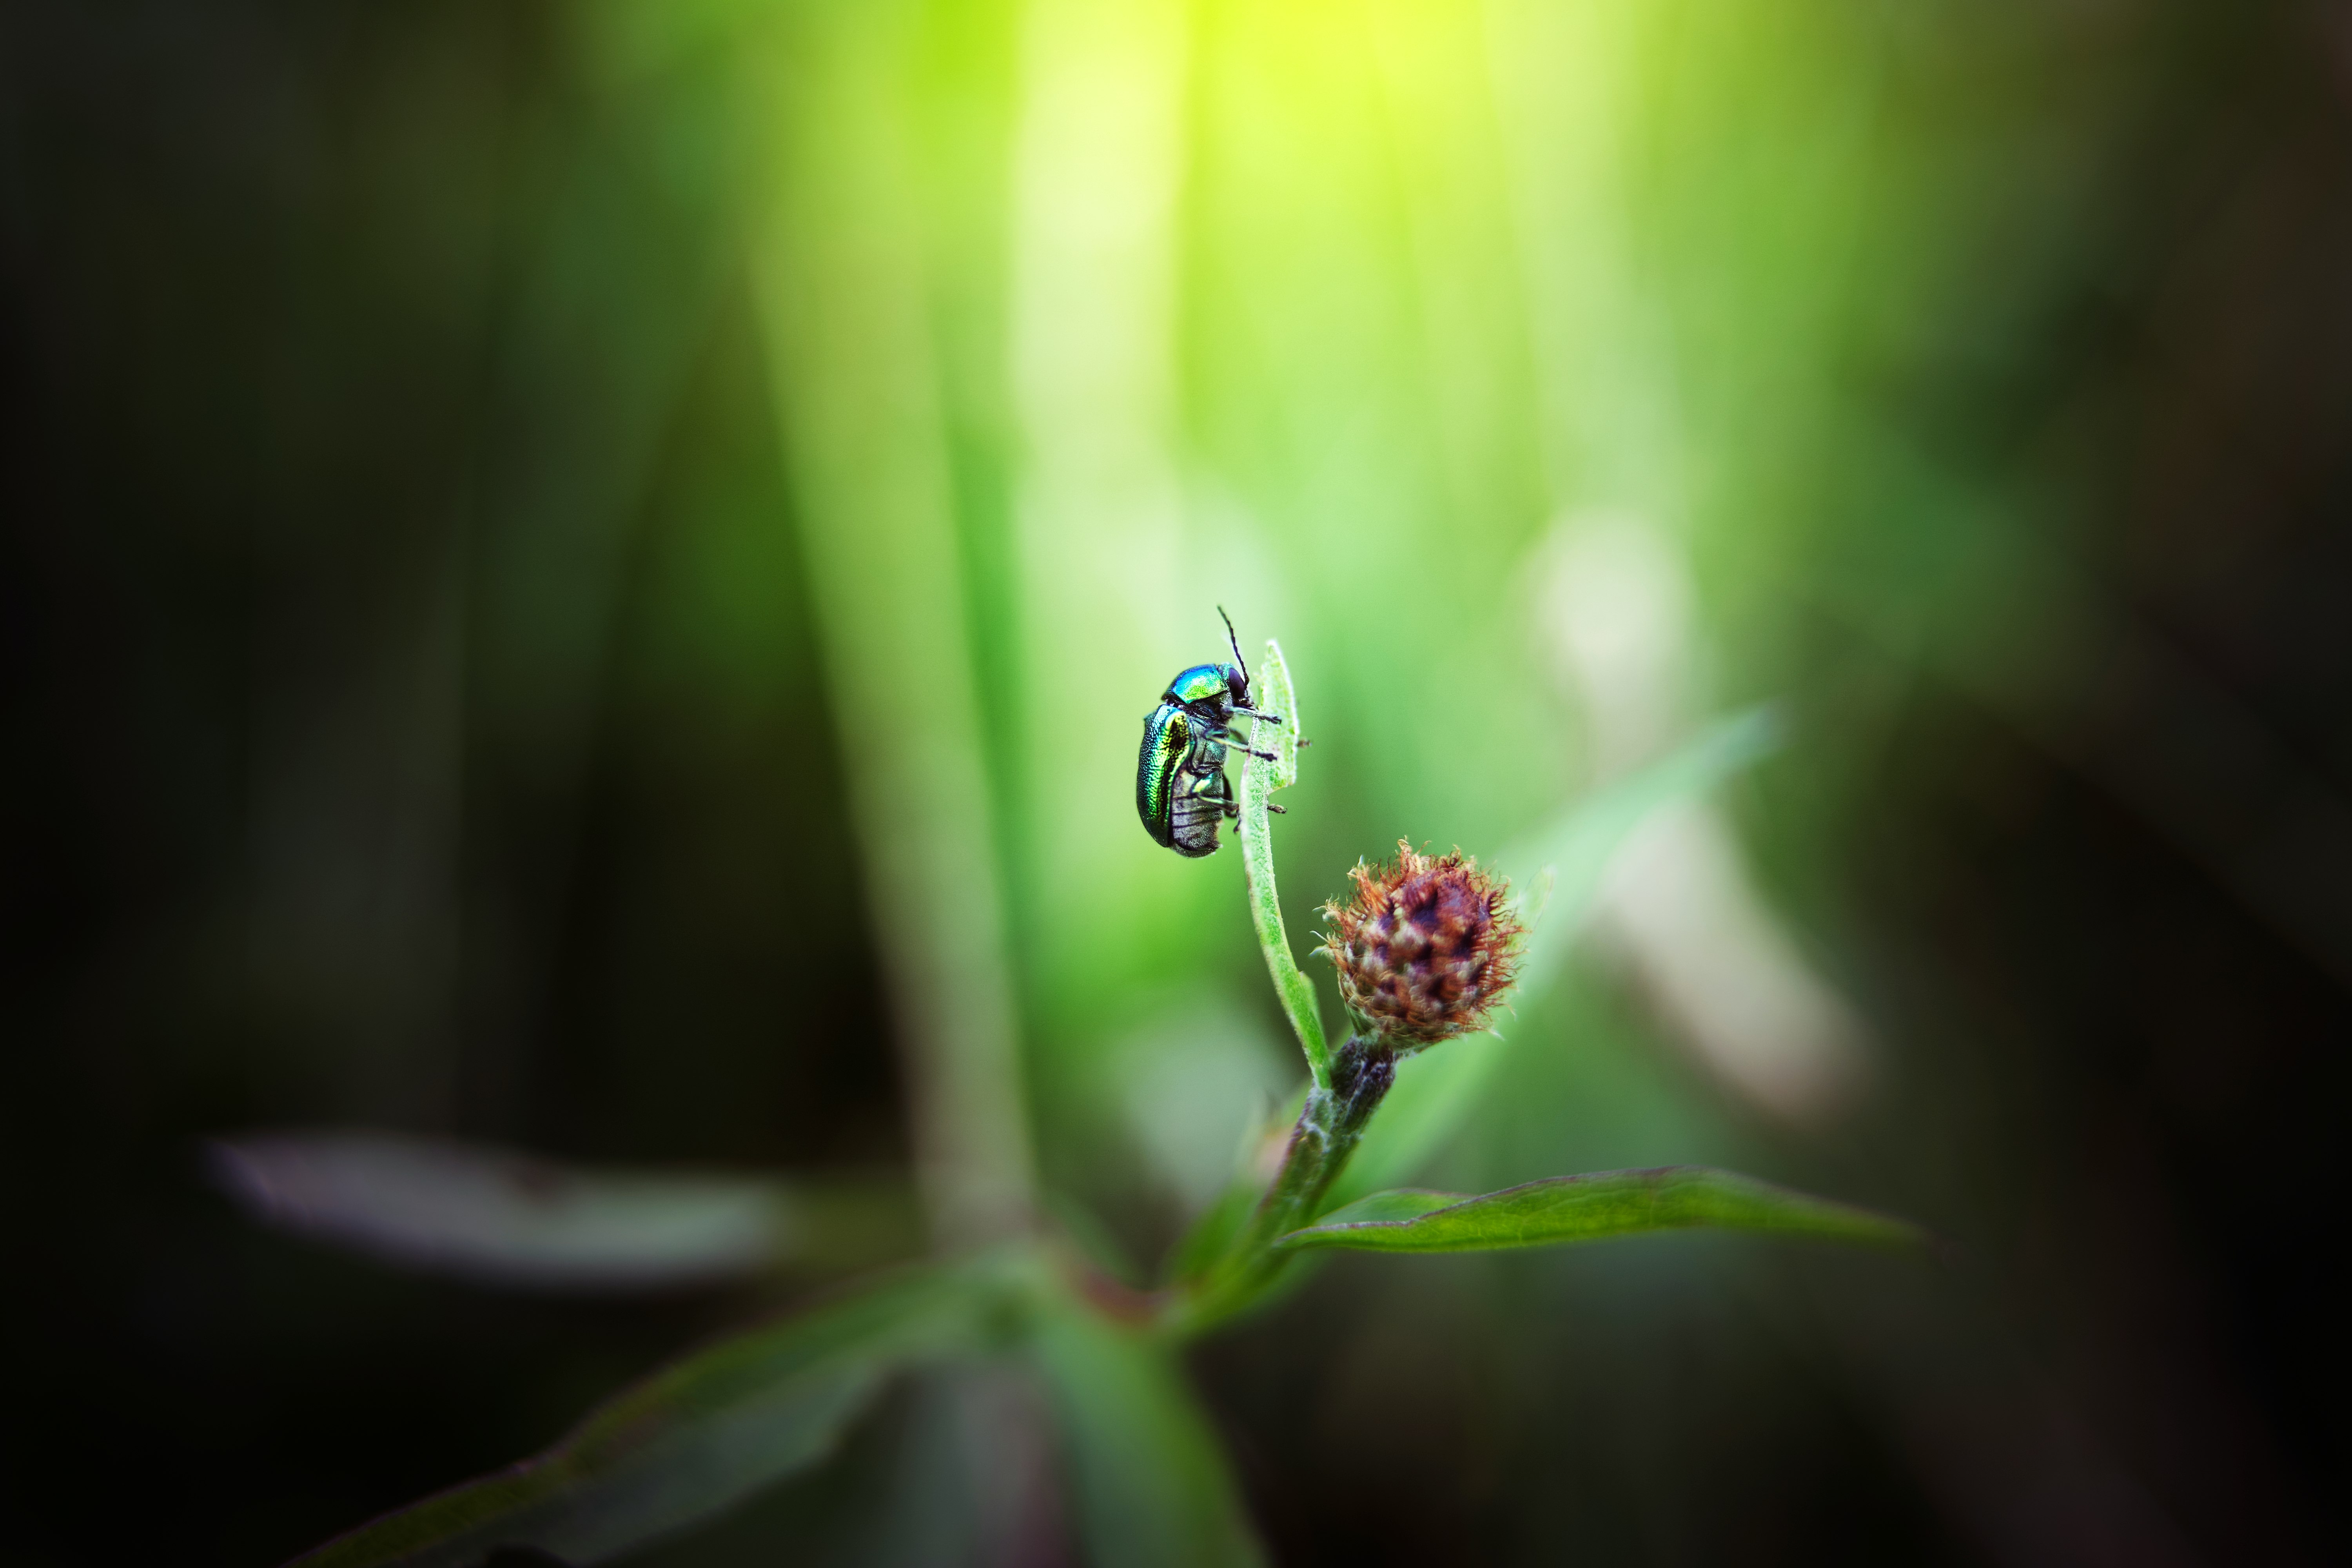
{"points": [[1202, 800]]}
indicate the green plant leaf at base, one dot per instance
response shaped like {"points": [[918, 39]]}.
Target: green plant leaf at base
{"points": [[1380, 1208], [1588, 1208], [694, 1439], [1150, 1482]]}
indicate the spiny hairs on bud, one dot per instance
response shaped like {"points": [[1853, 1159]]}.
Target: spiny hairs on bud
{"points": [[1427, 948]]}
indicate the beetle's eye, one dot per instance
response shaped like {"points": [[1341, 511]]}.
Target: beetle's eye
{"points": [[1239, 682]]}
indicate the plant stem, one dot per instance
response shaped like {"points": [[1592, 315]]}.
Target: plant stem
{"points": [[1341, 1095], [1260, 779], [1329, 1126]]}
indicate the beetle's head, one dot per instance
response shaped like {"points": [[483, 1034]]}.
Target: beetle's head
{"points": [[1237, 681]]}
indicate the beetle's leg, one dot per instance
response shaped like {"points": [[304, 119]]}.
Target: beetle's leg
{"points": [[1228, 737], [1278, 810], [1254, 713]]}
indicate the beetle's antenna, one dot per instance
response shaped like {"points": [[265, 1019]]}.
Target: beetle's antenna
{"points": [[1237, 641]]}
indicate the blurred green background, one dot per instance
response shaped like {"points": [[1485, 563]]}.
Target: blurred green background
{"points": [[583, 577]]}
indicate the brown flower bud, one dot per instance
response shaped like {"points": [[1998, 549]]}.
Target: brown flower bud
{"points": [[1426, 950]]}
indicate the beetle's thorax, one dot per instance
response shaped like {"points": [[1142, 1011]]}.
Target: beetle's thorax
{"points": [[1204, 683]]}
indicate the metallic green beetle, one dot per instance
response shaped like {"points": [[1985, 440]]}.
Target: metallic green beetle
{"points": [[1181, 789]]}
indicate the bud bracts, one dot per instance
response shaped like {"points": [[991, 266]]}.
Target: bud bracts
{"points": [[1427, 948]]}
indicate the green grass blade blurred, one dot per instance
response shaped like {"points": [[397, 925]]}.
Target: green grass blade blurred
{"points": [[1149, 1474], [1588, 1208], [840, 268], [1579, 843], [1437, 1089], [693, 1439]]}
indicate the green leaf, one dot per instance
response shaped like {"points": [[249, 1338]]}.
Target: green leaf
{"points": [[1404, 1202], [1588, 1208], [1260, 778], [505, 1218], [696, 1437], [1152, 1485], [1435, 1090]]}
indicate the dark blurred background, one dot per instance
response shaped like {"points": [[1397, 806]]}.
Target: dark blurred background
{"points": [[427, 680]]}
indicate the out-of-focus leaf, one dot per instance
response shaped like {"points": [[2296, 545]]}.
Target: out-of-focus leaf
{"points": [[1579, 843], [1149, 1476], [502, 1217], [1213, 1233], [1217, 1228], [695, 1438], [1587, 1208], [1436, 1089]]}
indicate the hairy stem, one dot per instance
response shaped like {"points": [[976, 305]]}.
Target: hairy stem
{"points": [[1260, 779]]}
